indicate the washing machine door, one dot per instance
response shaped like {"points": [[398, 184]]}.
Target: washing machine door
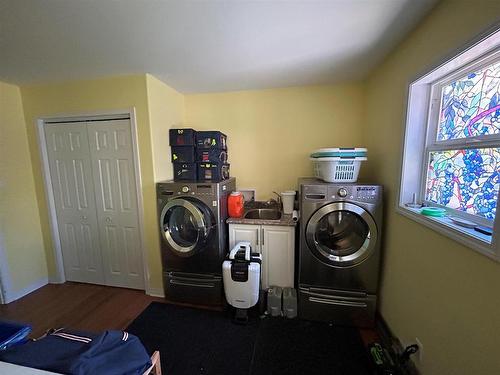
{"points": [[341, 234], [186, 225]]}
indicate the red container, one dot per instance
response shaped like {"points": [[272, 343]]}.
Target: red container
{"points": [[235, 204]]}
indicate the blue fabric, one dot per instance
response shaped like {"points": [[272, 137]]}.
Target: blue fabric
{"points": [[13, 334], [69, 352]]}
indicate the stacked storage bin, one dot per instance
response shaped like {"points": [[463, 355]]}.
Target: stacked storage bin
{"points": [[199, 156], [211, 154], [183, 149]]}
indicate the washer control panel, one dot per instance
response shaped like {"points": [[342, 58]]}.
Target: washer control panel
{"points": [[345, 192], [368, 193], [362, 193]]}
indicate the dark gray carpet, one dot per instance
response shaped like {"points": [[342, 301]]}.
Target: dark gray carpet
{"points": [[193, 341]]}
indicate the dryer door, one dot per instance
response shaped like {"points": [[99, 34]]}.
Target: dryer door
{"points": [[185, 224], [341, 234]]}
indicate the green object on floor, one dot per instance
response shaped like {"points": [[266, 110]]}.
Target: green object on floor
{"points": [[433, 211]]}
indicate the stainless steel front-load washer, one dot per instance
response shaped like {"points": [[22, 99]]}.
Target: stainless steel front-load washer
{"points": [[194, 239], [339, 256]]}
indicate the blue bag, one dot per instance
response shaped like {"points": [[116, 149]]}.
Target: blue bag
{"points": [[13, 334], [112, 352]]}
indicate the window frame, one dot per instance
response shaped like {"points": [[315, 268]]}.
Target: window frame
{"points": [[421, 138], [433, 144]]}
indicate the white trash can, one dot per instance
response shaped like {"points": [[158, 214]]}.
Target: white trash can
{"points": [[288, 198]]}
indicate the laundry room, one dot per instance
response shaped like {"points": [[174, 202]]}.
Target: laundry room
{"points": [[256, 187]]}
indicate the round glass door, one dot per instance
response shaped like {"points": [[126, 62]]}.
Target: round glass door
{"points": [[341, 234], [185, 226]]}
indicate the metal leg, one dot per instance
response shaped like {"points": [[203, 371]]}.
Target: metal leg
{"points": [[155, 368]]}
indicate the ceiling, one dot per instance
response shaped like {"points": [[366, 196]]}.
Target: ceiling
{"points": [[202, 46]]}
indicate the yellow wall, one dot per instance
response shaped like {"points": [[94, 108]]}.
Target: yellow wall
{"points": [[91, 96], [272, 132], [433, 288], [166, 111], [19, 216]]}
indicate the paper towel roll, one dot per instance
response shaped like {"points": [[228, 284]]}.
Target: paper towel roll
{"points": [[295, 215]]}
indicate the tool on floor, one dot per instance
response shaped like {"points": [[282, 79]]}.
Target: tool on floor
{"points": [[241, 276], [381, 360]]}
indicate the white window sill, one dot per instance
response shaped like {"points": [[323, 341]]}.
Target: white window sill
{"points": [[466, 236]]}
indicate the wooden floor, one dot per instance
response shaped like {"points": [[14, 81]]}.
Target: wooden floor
{"points": [[86, 307]]}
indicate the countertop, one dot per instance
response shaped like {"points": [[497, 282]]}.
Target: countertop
{"points": [[286, 220]]}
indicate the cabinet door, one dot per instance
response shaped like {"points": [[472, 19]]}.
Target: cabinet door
{"points": [[278, 256], [245, 232]]}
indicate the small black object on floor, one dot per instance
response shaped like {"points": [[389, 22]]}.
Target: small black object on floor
{"points": [[193, 341]]}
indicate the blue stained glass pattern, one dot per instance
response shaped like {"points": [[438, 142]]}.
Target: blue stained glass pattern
{"points": [[467, 180], [470, 106]]}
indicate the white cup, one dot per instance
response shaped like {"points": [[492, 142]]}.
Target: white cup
{"points": [[287, 198]]}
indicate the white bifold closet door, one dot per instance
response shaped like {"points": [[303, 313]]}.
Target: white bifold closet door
{"points": [[93, 180]]}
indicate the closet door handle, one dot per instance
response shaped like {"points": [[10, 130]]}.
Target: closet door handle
{"points": [[262, 231], [257, 237], [108, 220]]}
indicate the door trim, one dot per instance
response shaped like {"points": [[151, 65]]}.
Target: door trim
{"points": [[130, 114], [5, 287]]}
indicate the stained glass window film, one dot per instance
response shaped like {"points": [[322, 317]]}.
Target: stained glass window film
{"points": [[470, 106], [466, 180]]}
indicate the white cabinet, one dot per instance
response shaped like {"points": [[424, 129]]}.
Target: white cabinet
{"points": [[276, 243], [245, 232], [277, 248]]}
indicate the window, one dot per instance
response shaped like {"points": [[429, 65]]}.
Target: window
{"points": [[451, 156]]}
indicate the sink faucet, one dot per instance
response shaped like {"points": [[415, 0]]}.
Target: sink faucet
{"points": [[279, 197], [273, 201]]}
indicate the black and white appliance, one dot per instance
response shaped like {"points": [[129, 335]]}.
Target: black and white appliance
{"points": [[193, 235], [339, 255], [241, 276]]}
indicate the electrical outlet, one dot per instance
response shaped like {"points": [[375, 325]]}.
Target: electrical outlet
{"points": [[418, 357]]}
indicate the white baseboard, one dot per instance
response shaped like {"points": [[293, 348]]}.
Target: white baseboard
{"points": [[155, 292], [56, 280], [11, 296]]}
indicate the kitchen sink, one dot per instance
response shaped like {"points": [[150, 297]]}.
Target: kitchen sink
{"points": [[263, 214]]}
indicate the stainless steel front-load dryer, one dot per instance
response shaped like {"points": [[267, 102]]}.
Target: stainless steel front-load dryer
{"points": [[339, 257], [194, 240]]}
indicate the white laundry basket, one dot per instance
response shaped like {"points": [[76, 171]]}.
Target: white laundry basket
{"points": [[338, 164]]}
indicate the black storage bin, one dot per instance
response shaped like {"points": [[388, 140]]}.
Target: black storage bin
{"points": [[211, 139], [211, 155], [185, 171], [182, 137], [183, 154], [213, 171]]}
